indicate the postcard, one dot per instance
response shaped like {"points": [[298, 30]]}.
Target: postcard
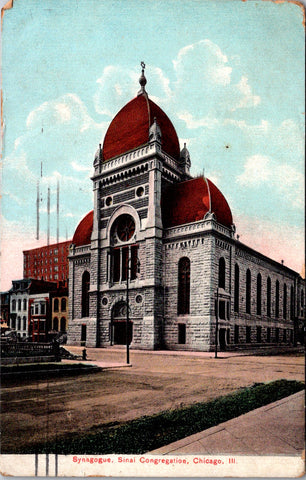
{"points": [[152, 238]]}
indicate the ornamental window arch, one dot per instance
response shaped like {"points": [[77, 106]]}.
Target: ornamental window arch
{"points": [[236, 288], [277, 299], [183, 302], [258, 294], [124, 263], [248, 291], [268, 297], [85, 293]]}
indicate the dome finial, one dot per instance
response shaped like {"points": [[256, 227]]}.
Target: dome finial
{"points": [[142, 79]]}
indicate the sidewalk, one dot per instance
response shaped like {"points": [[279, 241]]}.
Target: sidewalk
{"points": [[276, 429]]}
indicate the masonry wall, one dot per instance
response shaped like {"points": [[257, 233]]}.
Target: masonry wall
{"points": [[262, 328], [78, 265], [198, 331]]}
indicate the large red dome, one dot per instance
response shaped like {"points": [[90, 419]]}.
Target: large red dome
{"points": [[130, 129], [189, 201], [82, 234]]}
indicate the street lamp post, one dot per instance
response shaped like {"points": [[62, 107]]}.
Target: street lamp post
{"points": [[127, 312], [217, 326], [129, 269]]}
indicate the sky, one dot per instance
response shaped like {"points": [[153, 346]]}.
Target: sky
{"points": [[228, 73]]}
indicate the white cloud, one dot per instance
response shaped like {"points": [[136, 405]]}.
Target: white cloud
{"points": [[257, 169], [285, 179], [79, 168], [248, 98], [212, 63], [193, 123]]}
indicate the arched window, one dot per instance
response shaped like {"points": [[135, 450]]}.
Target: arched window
{"points": [[291, 303], [63, 305], [55, 324], [14, 305], [285, 302], [258, 295], [18, 323], [56, 305], [302, 303], [236, 289], [85, 294], [277, 299], [63, 324], [24, 304], [24, 323], [248, 292], [19, 304], [183, 303], [269, 297], [221, 280], [124, 258]]}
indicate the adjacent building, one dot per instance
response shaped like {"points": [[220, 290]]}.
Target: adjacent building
{"points": [[19, 307], [59, 310], [47, 263]]}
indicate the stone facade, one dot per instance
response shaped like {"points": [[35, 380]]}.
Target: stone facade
{"points": [[130, 238]]}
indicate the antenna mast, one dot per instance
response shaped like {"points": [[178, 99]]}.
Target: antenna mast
{"points": [[48, 213], [57, 212], [37, 212]]}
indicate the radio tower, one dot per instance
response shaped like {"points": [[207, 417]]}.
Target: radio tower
{"points": [[57, 212], [37, 212], [48, 213]]}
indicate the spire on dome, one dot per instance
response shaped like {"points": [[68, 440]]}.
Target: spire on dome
{"points": [[155, 134], [142, 79]]}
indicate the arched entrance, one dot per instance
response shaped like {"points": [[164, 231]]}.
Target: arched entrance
{"points": [[118, 325]]}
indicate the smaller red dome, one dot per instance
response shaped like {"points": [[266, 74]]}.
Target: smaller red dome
{"points": [[82, 234], [189, 201]]}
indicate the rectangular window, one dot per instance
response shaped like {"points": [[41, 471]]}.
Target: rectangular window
{"points": [[285, 335], [43, 308], [42, 326], [134, 262], [36, 308], [116, 265], [222, 309], [181, 333], [124, 262], [248, 335]]}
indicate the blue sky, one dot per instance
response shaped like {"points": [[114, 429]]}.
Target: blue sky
{"points": [[229, 74]]}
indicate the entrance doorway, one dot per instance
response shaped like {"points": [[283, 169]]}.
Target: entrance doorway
{"points": [[83, 335], [118, 325], [222, 336]]}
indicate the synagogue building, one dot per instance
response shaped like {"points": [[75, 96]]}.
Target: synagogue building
{"points": [[160, 246]]}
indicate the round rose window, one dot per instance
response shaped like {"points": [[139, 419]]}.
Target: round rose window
{"points": [[125, 228]]}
